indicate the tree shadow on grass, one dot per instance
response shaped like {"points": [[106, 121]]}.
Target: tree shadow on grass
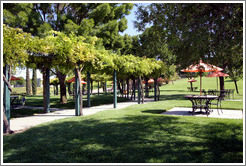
{"points": [[173, 97], [228, 80], [17, 113], [128, 139], [157, 111], [163, 91], [55, 102]]}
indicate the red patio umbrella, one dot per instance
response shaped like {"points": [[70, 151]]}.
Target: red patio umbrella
{"points": [[149, 81], [217, 74], [73, 80], [13, 78], [191, 80], [201, 67]]}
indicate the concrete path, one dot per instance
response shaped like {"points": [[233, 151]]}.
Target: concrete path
{"points": [[23, 123], [229, 114]]}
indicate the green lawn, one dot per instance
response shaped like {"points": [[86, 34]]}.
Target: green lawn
{"points": [[136, 134], [177, 91]]}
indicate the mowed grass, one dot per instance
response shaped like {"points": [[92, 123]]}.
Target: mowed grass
{"points": [[177, 91], [136, 134]]}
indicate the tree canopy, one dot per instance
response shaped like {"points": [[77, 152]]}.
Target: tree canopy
{"points": [[104, 20], [16, 45], [72, 51], [196, 30]]}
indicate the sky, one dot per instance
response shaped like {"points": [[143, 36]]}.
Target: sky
{"points": [[130, 27], [130, 31]]}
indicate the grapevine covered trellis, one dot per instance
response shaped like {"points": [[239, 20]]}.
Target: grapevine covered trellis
{"points": [[70, 52]]}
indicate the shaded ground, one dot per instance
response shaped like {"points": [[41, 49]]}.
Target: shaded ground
{"points": [[128, 138]]}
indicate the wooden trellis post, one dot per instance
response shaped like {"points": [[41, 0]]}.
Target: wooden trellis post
{"points": [[88, 89], [155, 87], [115, 88], [139, 90], [77, 100], [47, 84], [6, 97]]}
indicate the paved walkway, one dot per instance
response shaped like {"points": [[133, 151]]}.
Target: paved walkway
{"points": [[229, 114], [23, 123]]}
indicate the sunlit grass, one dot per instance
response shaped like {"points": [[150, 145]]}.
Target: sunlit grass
{"points": [[135, 134]]}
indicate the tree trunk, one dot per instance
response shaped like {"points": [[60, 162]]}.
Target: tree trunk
{"points": [[6, 123], [56, 89], [235, 82], [28, 82], [131, 83], [44, 89], [34, 82], [7, 82], [97, 87], [146, 87], [142, 89], [158, 92], [91, 86], [222, 87], [88, 88], [63, 89], [134, 88], [127, 84], [155, 88]]}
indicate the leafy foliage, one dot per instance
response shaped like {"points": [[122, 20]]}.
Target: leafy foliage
{"points": [[196, 30], [154, 45], [16, 43], [54, 81], [20, 82]]}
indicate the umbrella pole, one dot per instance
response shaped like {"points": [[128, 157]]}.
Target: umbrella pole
{"points": [[200, 83]]}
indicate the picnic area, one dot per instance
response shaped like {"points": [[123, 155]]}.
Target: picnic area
{"points": [[171, 92]]}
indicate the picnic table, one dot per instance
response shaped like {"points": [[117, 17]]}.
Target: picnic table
{"points": [[201, 102], [17, 100], [227, 93]]}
